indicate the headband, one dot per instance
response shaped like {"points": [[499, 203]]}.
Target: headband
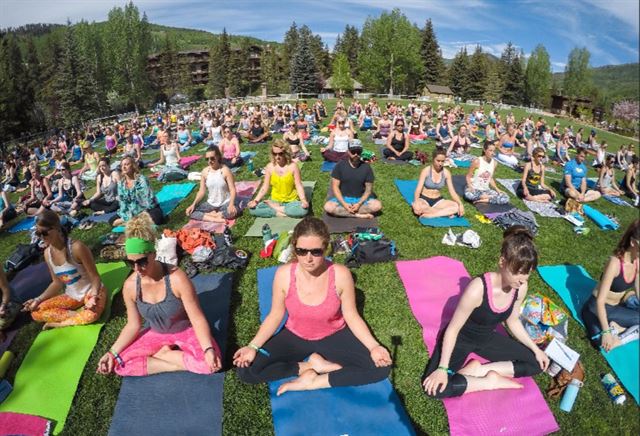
{"points": [[138, 246]]}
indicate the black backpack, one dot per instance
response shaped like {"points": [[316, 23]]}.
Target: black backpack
{"points": [[21, 257], [381, 250]]}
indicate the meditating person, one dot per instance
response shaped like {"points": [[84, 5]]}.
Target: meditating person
{"points": [[217, 182], [110, 142], [614, 306], [481, 187], [427, 198], [323, 325], [352, 185], [607, 184], [258, 133], [574, 181], [444, 133], [416, 132], [105, 199], [339, 140], [175, 335], [89, 170], [366, 121], [397, 147], [621, 155], [506, 146], [184, 135], [294, 138], [630, 182], [487, 301], [7, 211], [460, 143], [169, 156], [135, 195], [73, 270], [40, 192], [70, 195], [562, 151], [230, 149], [532, 186], [133, 149], [282, 176], [384, 127]]}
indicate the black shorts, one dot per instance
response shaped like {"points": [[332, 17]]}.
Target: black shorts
{"points": [[431, 201]]}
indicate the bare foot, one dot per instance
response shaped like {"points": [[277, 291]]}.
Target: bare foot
{"points": [[304, 382], [618, 328], [161, 351], [321, 365], [501, 382], [365, 216], [473, 369], [100, 212]]}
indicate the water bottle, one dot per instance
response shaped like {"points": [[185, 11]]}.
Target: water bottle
{"points": [[250, 165], [228, 240], [570, 395], [613, 388], [266, 233]]}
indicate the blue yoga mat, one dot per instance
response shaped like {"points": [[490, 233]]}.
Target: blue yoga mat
{"points": [[462, 163], [574, 285], [246, 155], [180, 403], [373, 409], [170, 195], [616, 200], [408, 187], [30, 282], [327, 166], [22, 225], [104, 218], [603, 221]]}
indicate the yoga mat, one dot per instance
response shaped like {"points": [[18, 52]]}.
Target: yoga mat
{"points": [[24, 425], [180, 403], [170, 195], [30, 282], [462, 163], [433, 288], [408, 187], [7, 341], [327, 166], [48, 377], [373, 409], [246, 155], [548, 210], [603, 221], [345, 224], [187, 161], [391, 161], [574, 285], [103, 218], [617, 200], [278, 225], [22, 225], [460, 182]]}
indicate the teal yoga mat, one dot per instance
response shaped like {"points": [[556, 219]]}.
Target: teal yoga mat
{"points": [[373, 409], [574, 285], [603, 221], [170, 195], [408, 187]]}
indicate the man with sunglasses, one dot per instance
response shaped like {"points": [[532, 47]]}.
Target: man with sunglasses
{"points": [[352, 186]]}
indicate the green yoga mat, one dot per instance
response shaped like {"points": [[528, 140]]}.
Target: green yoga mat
{"points": [[48, 377]]}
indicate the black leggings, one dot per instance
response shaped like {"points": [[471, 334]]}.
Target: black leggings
{"points": [[101, 204], [286, 350], [495, 348], [407, 155]]}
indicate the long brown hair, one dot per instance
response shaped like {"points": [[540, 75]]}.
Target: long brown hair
{"points": [[518, 250], [631, 234]]}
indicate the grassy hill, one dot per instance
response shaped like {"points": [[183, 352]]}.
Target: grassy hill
{"points": [[617, 82]]}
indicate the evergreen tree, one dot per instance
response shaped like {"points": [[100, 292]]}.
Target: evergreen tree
{"points": [[33, 67], [459, 74], [538, 77], [577, 78], [349, 44], [290, 46], [303, 74], [477, 75], [495, 85], [239, 84], [16, 101], [512, 75], [169, 67], [67, 79], [219, 58], [341, 79], [46, 95], [270, 71], [431, 56]]}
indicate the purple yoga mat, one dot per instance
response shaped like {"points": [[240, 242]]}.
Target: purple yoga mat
{"points": [[433, 287]]}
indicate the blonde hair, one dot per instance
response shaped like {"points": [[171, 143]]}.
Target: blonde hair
{"points": [[141, 226], [286, 148]]}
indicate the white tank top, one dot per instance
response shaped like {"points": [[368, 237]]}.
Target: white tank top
{"points": [[341, 142], [72, 274], [216, 134], [483, 174], [170, 156], [217, 189]]}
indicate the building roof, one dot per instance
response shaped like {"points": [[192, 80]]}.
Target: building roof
{"points": [[356, 85], [438, 89]]}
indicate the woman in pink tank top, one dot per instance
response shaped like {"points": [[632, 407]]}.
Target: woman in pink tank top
{"points": [[323, 325]]}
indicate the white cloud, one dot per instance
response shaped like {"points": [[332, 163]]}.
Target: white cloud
{"points": [[627, 11]]}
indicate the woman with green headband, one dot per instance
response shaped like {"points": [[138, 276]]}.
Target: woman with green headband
{"points": [[178, 337]]}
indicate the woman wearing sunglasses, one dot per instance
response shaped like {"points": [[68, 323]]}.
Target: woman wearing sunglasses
{"points": [[397, 147], [178, 337], [282, 175], [532, 186], [323, 324], [230, 149], [339, 140], [216, 180], [73, 269]]}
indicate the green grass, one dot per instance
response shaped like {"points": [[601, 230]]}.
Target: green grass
{"points": [[383, 303]]}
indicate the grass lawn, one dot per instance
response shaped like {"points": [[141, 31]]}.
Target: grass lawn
{"points": [[384, 305]]}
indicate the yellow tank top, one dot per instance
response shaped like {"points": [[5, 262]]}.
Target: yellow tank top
{"points": [[283, 187]]}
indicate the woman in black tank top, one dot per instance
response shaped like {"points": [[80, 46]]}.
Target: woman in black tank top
{"points": [[487, 301], [397, 147]]}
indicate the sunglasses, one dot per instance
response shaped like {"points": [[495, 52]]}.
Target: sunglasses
{"points": [[540, 155], [42, 233], [357, 151], [279, 153], [212, 158], [315, 252], [140, 263]]}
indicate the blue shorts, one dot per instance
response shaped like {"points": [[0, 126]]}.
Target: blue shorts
{"points": [[350, 200]]}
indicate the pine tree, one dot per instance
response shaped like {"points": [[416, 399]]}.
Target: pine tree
{"points": [[477, 75], [459, 74], [341, 79], [67, 78], [238, 81], [270, 71], [538, 77], [290, 46], [46, 95], [431, 56], [169, 67], [303, 74], [219, 58], [512, 75], [495, 84], [349, 44], [16, 102]]}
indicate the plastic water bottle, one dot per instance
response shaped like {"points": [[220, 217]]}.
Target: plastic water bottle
{"points": [[250, 165], [570, 395], [613, 388], [228, 240], [266, 233]]}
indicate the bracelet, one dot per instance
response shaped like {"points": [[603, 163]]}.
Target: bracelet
{"points": [[209, 348], [117, 357], [601, 333], [259, 349], [447, 370]]}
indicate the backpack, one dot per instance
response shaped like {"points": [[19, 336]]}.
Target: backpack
{"points": [[371, 251], [21, 257]]}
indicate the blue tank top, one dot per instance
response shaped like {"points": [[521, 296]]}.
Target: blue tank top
{"points": [[444, 132]]}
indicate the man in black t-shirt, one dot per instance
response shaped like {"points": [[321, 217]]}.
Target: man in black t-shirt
{"points": [[352, 185]]}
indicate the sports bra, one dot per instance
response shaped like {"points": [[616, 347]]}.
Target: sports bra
{"points": [[619, 284], [430, 184]]}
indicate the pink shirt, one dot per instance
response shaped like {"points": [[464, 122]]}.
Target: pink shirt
{"points": [[314, 322]]}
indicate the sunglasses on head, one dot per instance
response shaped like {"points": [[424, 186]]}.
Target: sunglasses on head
{"points": [[141, 263], [315, 252]]}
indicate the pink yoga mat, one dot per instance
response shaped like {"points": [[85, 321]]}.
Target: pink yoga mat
{"points": [[185, 162], [19, 423], [433, 287]]}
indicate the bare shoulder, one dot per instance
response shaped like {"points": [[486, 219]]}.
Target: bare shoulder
{"points": [[282, 277], [342, 274]]}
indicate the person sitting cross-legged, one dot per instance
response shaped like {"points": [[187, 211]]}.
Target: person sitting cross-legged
{"points": [[352, 185], [574, 182]]}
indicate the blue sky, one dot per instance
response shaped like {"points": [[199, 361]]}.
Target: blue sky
{"points": [[609, 28]]}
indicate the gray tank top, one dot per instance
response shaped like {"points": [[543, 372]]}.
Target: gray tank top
{"points": [[430, 184], [167, 316]]}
